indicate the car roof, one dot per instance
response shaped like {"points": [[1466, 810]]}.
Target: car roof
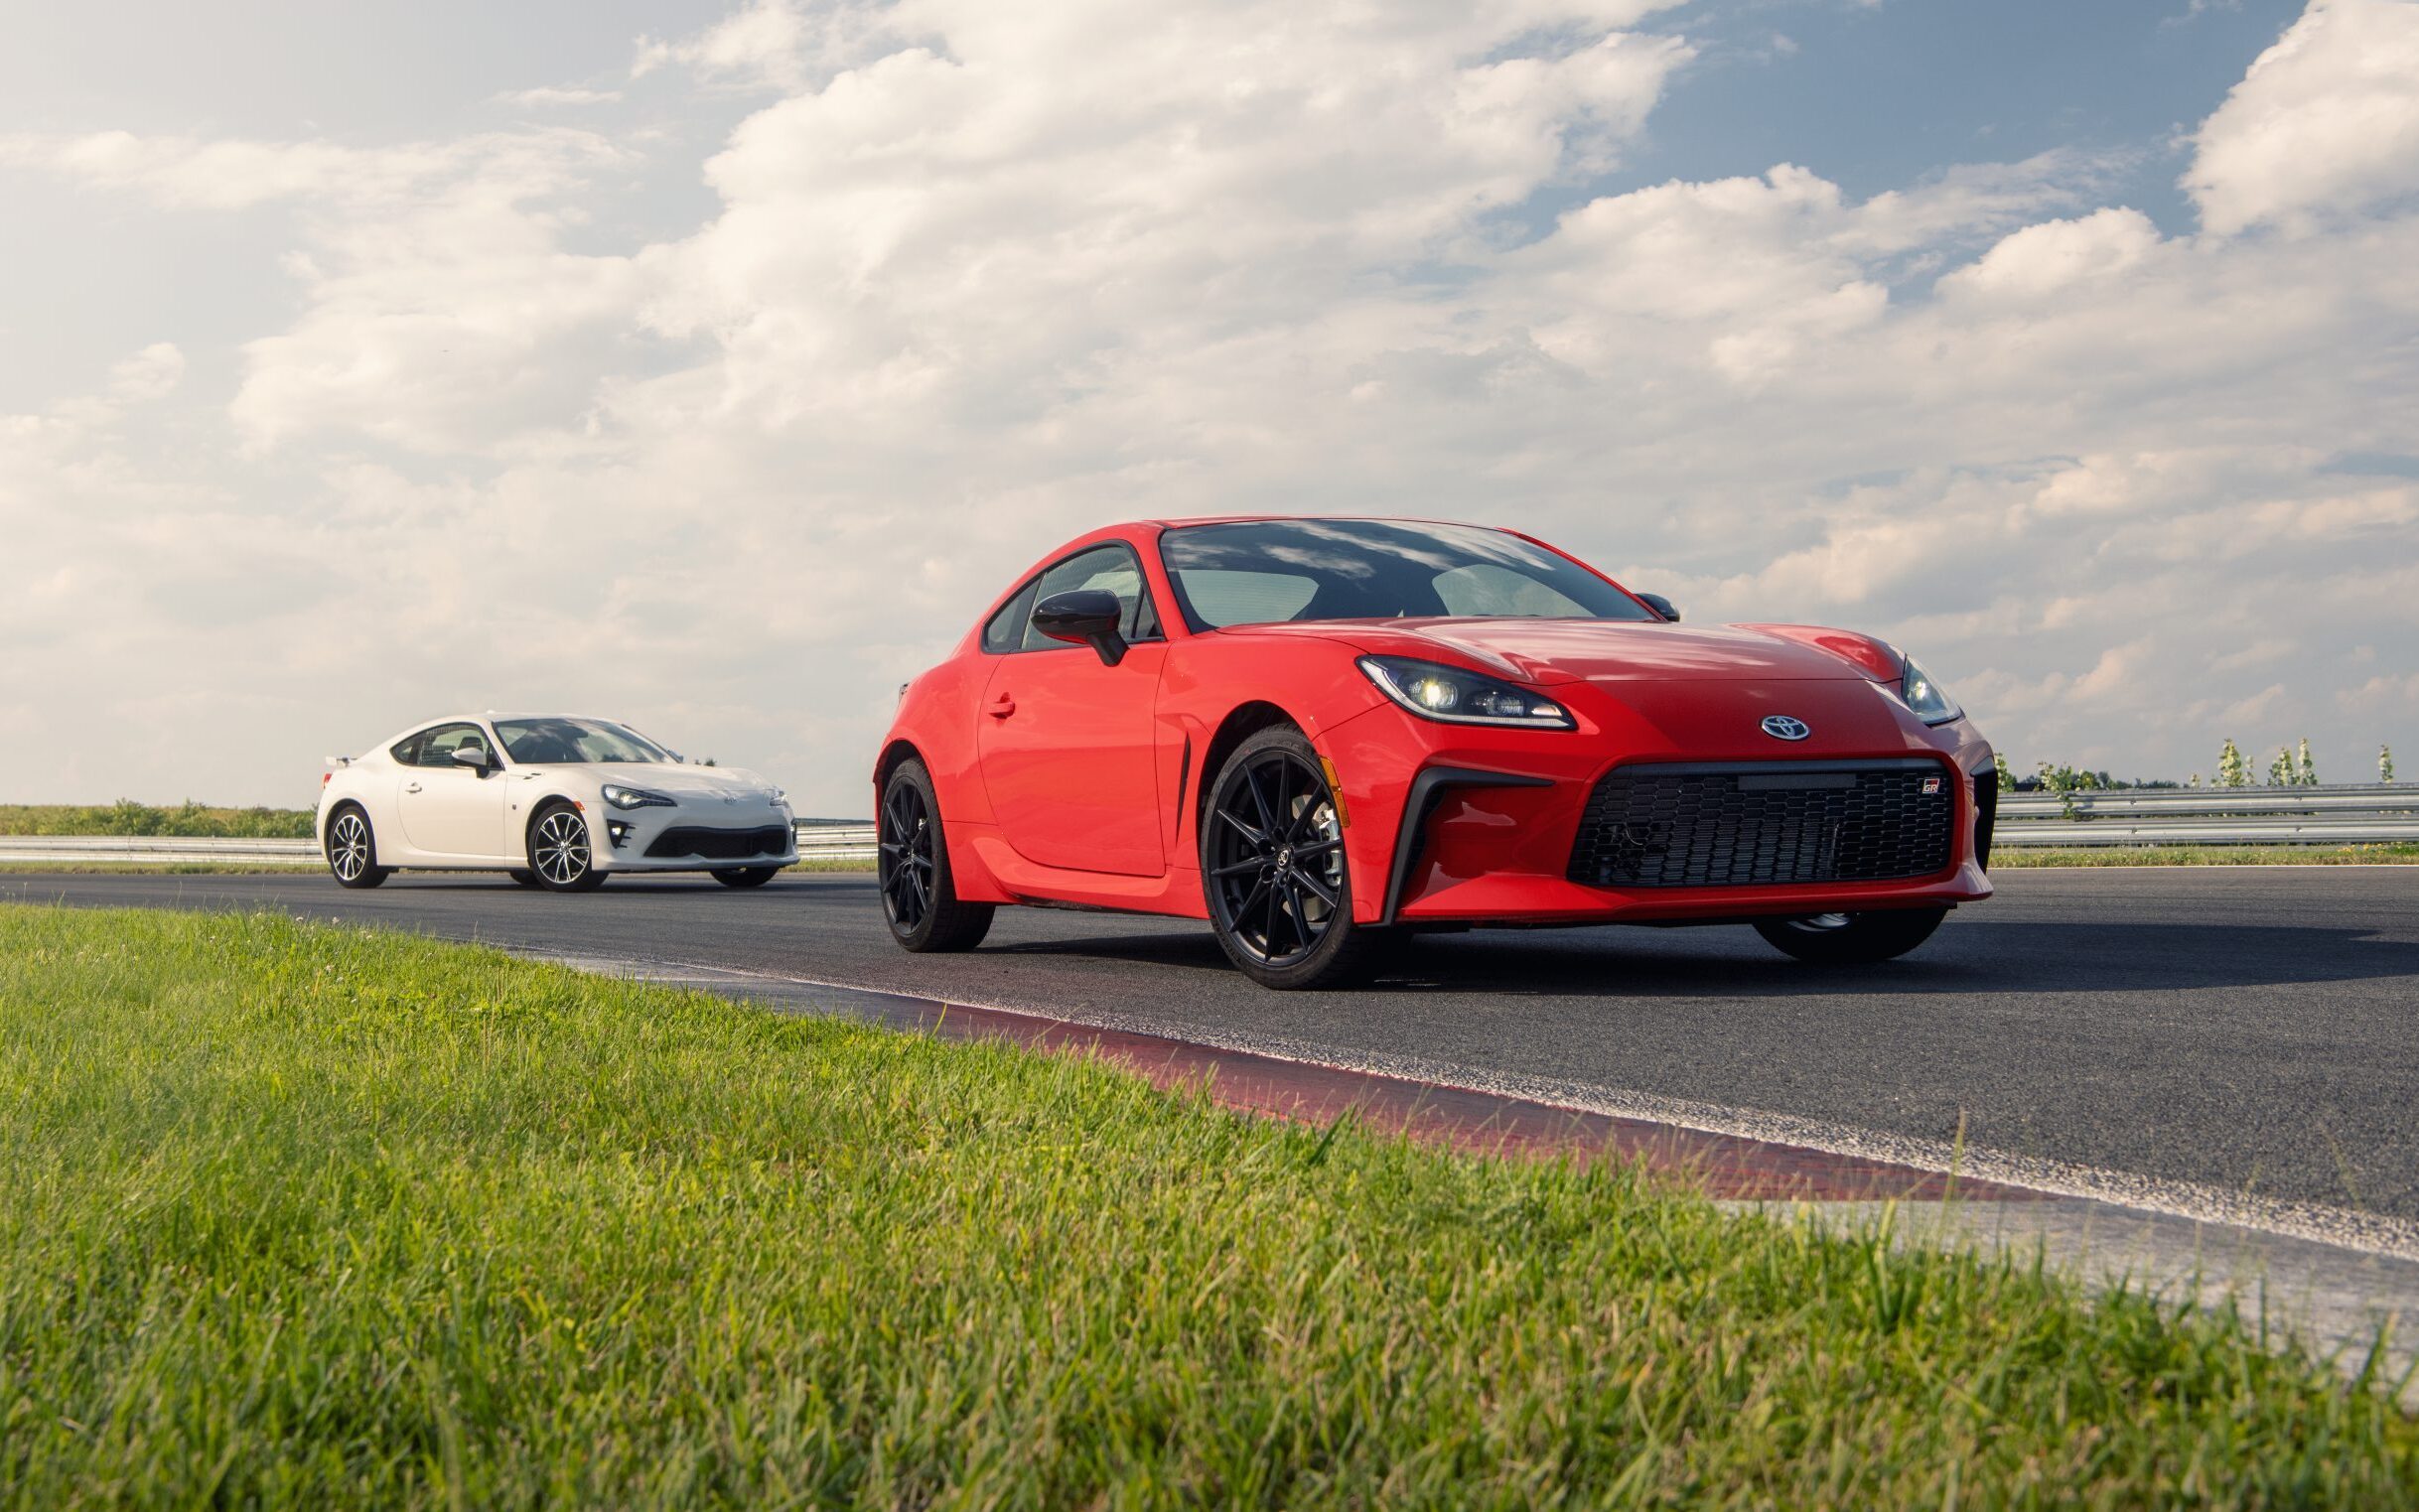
{"points": [[491, 716], [1255, 519]]}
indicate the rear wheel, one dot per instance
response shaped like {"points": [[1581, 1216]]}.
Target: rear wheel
{"points": [[746, 876], [1273, 869], [559, 852], [353, 850], [918, 894], [1852, 939]]}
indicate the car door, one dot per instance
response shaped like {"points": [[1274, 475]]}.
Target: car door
{"points": [[448, 809], [1066, 740]]}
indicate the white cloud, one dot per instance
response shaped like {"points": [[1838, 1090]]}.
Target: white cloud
{"points": [[765, 45], [2054, 256], [547, 96], [151, 373], [2326, 122], [441, 307]]}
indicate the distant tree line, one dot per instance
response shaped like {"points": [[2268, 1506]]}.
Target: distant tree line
{"points": [[2293, 767]]}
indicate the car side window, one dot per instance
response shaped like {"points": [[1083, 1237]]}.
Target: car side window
{"points": [[1113, 568], [1223, 598], [406, 750], [438, 745], [1006, 631]]}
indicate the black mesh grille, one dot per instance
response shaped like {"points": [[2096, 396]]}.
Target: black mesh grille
{"points": [[1765, 823], [719, 845]]}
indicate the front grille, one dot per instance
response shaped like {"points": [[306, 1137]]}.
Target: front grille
{"points": [[719, 845], [1765, 823]]}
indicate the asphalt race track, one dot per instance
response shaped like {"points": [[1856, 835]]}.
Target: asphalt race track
{"points": [[2254, 1029]]}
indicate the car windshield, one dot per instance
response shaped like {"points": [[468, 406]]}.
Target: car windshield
{"points": [[1262, 571], [556, 742]]}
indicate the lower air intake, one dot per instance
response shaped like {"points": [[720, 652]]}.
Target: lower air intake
{"points": [[718, 844], [1766, 824]]}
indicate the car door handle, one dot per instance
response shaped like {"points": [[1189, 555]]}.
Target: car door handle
{"points": [[1002, 707], [412, 787]]}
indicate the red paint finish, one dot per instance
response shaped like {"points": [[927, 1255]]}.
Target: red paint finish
{"points": [[1067, 780]]}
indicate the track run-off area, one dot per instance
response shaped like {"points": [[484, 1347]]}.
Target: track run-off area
{"points": [[2251, 1032], [2197, 1080]]}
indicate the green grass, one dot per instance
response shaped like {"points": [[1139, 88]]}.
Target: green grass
{"points": [[299, 1217], [2207, 856], [127, 817]]}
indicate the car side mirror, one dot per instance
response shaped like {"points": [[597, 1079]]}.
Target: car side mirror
{"points": [[1084, 616], [1660, 604], [472, 757]]}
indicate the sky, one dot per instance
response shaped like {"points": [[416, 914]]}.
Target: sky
{"points": [[713, 368]]}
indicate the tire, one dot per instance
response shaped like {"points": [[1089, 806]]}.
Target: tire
{"points": [[352, 849], [523, 878], [1852, 939], [1284, 924], [561, 857], [746, 876], [918, 894]]}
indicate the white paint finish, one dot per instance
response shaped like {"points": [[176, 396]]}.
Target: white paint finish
{"points": [[455, 818]]}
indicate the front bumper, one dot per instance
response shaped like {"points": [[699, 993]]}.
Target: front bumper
{"points": [[1477, 824], [704, 836]]}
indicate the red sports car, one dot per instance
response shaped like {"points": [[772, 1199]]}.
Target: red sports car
{"points": [[1323, 734]]}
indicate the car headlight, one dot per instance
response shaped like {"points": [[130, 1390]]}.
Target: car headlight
{"points": [[635, 797], [1924, 695], [1455, 697]]}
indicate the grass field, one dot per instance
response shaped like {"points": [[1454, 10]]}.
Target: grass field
{"points": [[298, 1216], [2207, 856], [127, 817]]}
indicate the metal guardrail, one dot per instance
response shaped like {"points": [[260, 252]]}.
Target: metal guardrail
{"points": [[2369, 814], [818, 841], [2347, 815]]}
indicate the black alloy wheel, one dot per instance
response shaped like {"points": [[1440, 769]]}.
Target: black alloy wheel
{"points": [[353, 851], [1273, 866], [918, 897], [559, 851], [746, 876], [1852, 939]]}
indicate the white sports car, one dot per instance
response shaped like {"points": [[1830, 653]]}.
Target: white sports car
{"points": [[552, 800]]}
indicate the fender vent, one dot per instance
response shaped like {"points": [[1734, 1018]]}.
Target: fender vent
{"points": [[1766, 824]]}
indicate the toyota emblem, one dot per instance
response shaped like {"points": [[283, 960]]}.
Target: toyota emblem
{"points": [[1781, 727]]}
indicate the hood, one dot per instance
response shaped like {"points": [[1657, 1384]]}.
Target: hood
{"points": [[1543, 651], [674, 782]]}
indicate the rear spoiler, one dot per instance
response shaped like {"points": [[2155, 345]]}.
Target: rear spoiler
{"points": [[336, 763]]}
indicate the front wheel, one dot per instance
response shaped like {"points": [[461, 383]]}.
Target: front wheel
{"points": [[918, 894], [1852, 939], [746, 876], [1273, 868], [559, 852], [353, 850]]}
